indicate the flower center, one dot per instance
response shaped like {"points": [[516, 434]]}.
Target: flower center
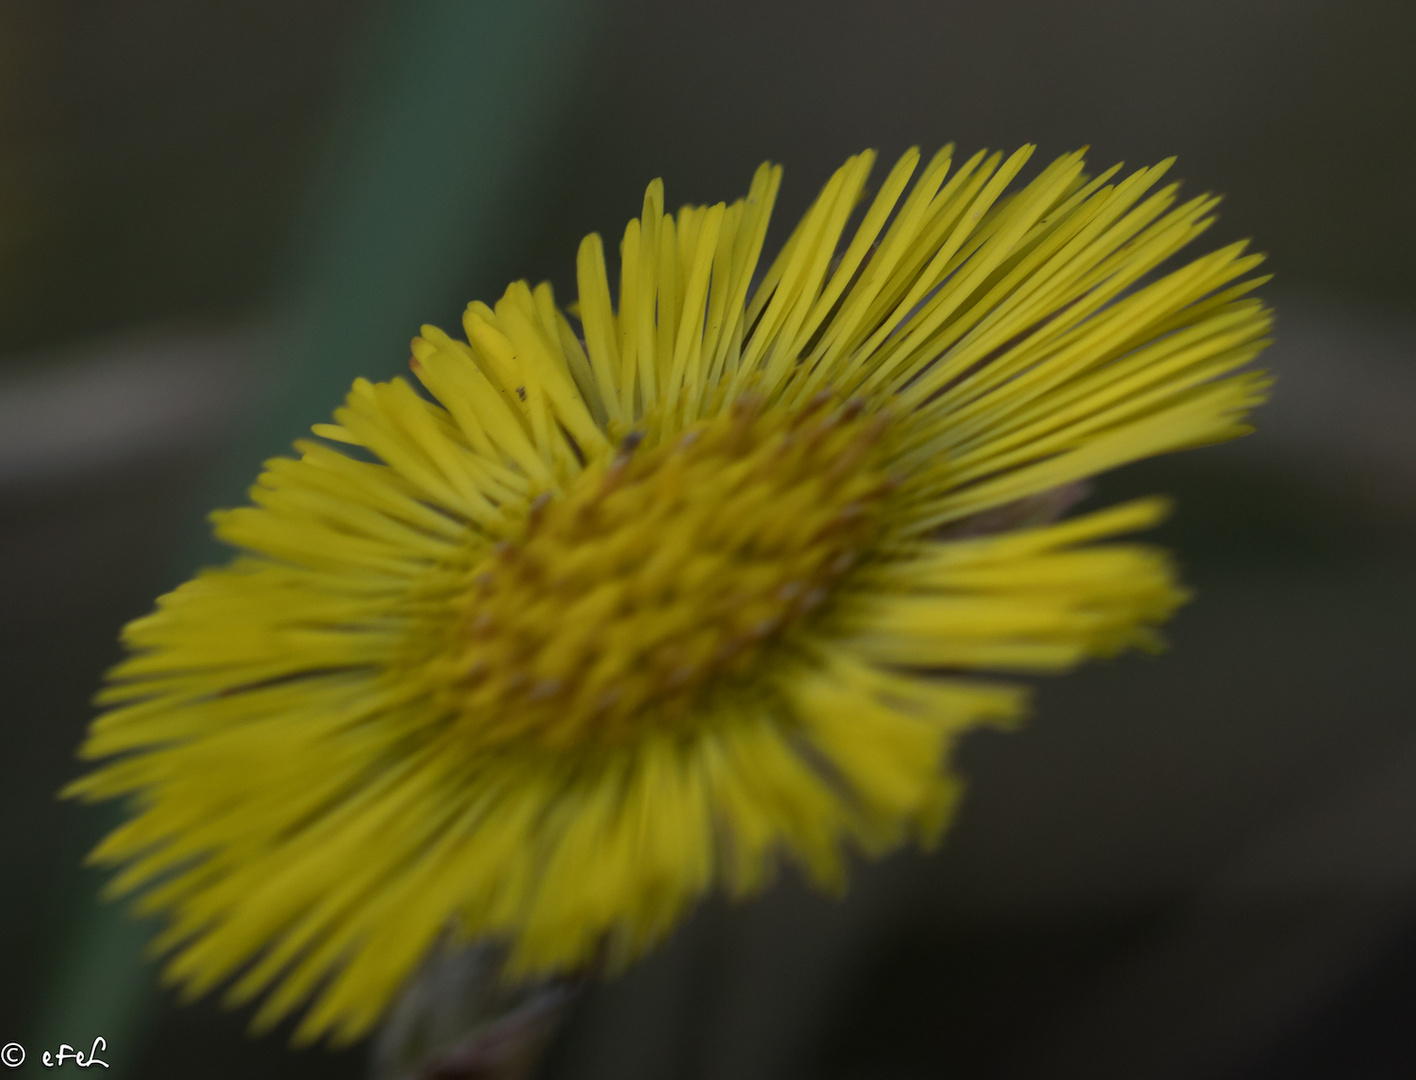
{"points": [[666, 573]]}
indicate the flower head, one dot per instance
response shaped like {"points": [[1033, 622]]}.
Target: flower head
{"points": [[613, 617]]}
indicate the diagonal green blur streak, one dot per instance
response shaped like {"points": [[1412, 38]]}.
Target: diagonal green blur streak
{"points": [[452, 107]]}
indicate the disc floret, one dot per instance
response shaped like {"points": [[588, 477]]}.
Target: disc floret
{"points": [[666, 573]]}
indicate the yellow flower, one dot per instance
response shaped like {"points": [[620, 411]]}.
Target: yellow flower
{"points": [[621, 616]]}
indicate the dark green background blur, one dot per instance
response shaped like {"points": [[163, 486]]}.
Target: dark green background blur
{"points": [[1201, 865], [153, 153]]}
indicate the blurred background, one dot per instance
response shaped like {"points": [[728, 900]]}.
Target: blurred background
{"points": [[213, 216]]}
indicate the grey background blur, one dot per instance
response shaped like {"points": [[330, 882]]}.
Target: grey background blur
{"points": [[1198, 865]]}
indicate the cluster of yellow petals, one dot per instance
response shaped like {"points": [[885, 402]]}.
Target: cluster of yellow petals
{"points": [[619, 612]]}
